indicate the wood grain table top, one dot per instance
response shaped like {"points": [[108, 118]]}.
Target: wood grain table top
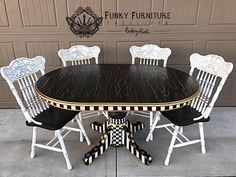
{"points": [[117, 84]]}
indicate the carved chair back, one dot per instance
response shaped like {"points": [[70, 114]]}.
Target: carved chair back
{"points": [[79, 54], [211, 72], [21, 75], [149, 54]]}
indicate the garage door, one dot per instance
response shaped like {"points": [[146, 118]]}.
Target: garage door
{"points": [[38, 27]]}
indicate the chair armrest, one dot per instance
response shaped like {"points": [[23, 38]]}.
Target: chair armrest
{"points": [[205, 114]]}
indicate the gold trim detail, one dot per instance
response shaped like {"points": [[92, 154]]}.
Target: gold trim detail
{"points": [[100, 104]]}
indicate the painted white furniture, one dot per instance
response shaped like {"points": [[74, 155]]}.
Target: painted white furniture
{"points": [[21, 75], [149, 54], [211, 71], [79, 55]]}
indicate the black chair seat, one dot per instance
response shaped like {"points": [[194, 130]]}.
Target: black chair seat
{"points": [[53, 118], [184, 116]]}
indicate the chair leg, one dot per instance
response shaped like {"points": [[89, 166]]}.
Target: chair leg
{"points": [[151, 121], [181, 130], [201, 130], [105, 113], [82, 129], [74, 120], [63, 147], [156, 119], [172, 143], [81, 133], [32, 154]]}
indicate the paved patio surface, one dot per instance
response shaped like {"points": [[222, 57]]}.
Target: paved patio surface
{"points": [[220, 159]]}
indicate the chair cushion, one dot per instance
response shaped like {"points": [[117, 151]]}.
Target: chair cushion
{"points": [[184, 116], [53, 118]]}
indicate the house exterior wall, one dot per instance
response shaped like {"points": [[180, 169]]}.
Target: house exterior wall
{"points": [[39, 27]]}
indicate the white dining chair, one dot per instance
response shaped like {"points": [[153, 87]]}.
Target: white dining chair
{"points": [[80, 55], [211, 71], [149, 54], [21, 76]]}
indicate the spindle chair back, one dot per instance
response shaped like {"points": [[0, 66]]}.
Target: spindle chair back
{"points": [[79, 55], [23, 73], [149, 54], [209, 69]]}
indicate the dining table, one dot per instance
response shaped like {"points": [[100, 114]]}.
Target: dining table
{"points": [[117, 89]]}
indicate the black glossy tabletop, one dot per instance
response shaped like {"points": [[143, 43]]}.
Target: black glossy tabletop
{"points": [[123, 85]]}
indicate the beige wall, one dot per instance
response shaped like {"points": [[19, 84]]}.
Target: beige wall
{"points": [[38, 27]]}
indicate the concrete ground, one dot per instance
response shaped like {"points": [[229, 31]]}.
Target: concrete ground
{"points": [[220, 159]]}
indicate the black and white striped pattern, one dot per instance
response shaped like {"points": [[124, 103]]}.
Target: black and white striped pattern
{"points": [[134, 127], [117, 132], [116, 121], [101, 128], [115, 125], [130, 144], [99, 149], [116, 108], [117, 137]]}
